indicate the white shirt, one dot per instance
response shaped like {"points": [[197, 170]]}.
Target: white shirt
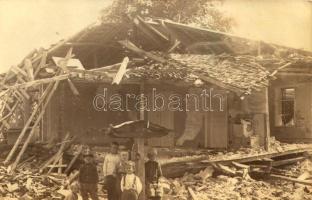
{"points": [[127, 182], [110, 163]]}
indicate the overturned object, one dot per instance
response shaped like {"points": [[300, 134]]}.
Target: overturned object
{"points": [[138, 129]]}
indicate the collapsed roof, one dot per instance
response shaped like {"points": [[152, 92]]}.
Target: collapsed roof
{"points": [[182, 52]]}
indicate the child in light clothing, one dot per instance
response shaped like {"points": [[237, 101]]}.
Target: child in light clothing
{"points": [[130, 184]]}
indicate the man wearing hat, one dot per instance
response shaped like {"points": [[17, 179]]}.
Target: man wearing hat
{"points": [[88, 178]]}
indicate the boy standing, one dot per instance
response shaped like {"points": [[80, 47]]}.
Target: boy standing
{"points": [[152, 174], [110, 164], [130, 184], [121, 170], [88, 178]]}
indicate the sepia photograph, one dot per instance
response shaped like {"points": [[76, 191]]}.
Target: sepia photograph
{"points": [[155, 99]]}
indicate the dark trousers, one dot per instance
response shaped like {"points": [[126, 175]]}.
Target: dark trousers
{"points": [[129, 195], [87, 189], [118, 187], [111, 187]]}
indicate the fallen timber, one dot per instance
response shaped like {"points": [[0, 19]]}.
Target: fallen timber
{"points": [[176, 169]]}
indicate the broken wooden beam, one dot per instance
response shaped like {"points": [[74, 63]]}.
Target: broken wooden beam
{"points": [[294, 180], [42, 63], [129, 45], [122, 70], [72, 87], [152, 33], [72, 162], [27, 124], [214, 81], [40, 81], [288, 161], [59, 154], [305, 175], [38, 119], [179, 168], [224, 169], [240, 165], [63, 62], [29, 69], [192, 193]]}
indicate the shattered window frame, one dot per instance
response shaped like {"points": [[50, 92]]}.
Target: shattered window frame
{"points": [[287, 106]]}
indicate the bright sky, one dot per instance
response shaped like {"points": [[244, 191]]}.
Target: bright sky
{"points": [[29, 24]]}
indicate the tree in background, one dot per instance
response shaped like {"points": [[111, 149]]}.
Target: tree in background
{"points": [[203, 13]]}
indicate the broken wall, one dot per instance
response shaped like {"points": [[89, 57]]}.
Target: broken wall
{"points": [[301, 130], [77, 114]]}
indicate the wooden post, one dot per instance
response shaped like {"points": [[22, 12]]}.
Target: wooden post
{"points": [[18, 158], [140, 146], [267, 120]]}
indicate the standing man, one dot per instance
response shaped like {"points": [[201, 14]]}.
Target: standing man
{"points": [[111, 161]]}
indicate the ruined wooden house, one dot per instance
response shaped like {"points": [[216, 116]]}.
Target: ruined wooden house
{"points": [[259, 89]]}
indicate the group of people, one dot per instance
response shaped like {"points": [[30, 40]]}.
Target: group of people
{"points": [[120, 180]]}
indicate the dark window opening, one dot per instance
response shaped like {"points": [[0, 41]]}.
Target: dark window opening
{"points": [[288, 106]]}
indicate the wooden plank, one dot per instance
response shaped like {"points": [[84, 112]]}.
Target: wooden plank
{"points": [[122, 70], [240, 165], [153, 34], [40, 81], [23, 93], [63, 63], [174, 46], [29, 69], [27, 124], [72, 87], [47, 163], [48, 93], [216, 82], [90, 72], [192, 193], [225, 169], [59, 154], [72, 162], [57, 166], [42, 63], [5, 78], [129, 45], [60, 166], [280, 68], [304, 182], [11, 112], [288, 161], [154, 30], [105, 67], [57, 158], [294, 74], [18, 71]]}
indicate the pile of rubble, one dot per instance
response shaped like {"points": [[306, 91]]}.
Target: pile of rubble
{"points": [[32, 178], [208, 185], [275, 147], [26, 184]]}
